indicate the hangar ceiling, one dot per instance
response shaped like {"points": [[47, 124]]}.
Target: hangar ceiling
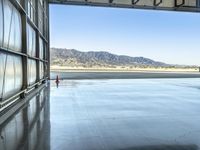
{"points": [[175, 5]]}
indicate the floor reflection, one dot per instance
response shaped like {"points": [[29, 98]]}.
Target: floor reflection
{"points": [[29, 127]]}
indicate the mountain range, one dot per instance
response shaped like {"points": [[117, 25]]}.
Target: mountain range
{"points": [[75, 58]]}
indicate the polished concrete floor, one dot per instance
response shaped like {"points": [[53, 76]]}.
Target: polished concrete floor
{"points": [[143, 114]]}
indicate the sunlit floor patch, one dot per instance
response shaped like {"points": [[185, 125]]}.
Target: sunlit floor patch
{"points": [[125, 114]]}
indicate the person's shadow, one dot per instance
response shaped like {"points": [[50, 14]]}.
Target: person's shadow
{"points": [[57, 84], [57, 81]]}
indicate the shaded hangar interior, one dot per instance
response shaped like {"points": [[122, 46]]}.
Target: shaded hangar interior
{"points": [[24, 39], [23, 47]]}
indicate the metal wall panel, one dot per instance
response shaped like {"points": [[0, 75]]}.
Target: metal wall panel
{"points": [[31, 41], [12, 27], [31, 71]]}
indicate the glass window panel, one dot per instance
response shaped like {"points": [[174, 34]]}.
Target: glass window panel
{"points": [[45, 51], [31, 9], [41, 70], [8, 15], [13, 72], [18, 73], [12, 27], [11, 34], [31, 41], [41, 48], [9, 77], [18, 31], [31, 71], [46, 27], [2, 69], [40, 17], [1, 23]]}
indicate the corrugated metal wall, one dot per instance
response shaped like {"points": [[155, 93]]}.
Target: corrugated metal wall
{"points": [[23, 46]]}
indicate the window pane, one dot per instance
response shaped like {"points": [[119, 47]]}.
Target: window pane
{"points": [[41, 48], [13, 72], [31, 9], [2, 68], [41, 70], [1, 24], [12, 27], [31, 71], [7, 22], [18, 31], [31, 41], [18, 73]]}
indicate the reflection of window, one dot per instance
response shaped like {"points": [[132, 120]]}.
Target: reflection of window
{"points": [[31, 9], [31, 41]]}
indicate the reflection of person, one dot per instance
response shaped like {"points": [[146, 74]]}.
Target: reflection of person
{"points": [[57, 81]]}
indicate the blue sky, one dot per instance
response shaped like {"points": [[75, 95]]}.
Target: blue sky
{"points": [[170, 37]]}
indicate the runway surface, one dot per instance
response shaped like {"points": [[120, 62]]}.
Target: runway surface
{"points": [[123, 75]]}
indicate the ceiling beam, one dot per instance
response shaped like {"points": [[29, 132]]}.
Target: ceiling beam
{"points": [[179, 4], [157, 2], [134, 2]]}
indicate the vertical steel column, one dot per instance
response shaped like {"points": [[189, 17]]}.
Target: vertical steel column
{"points": [[37, 43], [48, 45], [24, 47]]}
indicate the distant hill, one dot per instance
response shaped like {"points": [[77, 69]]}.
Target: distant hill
{"points": [[75, 58]]}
